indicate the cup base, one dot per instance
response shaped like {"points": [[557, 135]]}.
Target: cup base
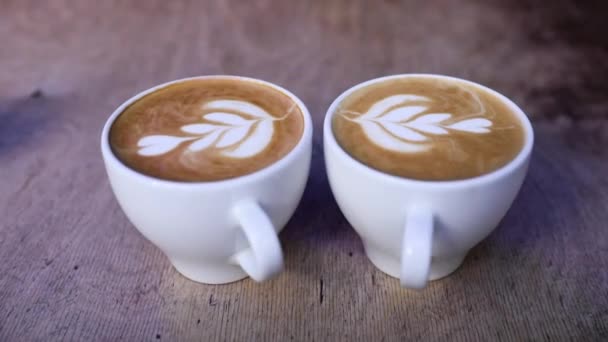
{"points": [[440, 267], [208, 274]]}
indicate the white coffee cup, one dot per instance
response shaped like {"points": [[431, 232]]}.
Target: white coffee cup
{"points": [[421, 230], [215, 232]]}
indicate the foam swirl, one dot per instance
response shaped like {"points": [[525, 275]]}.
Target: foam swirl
{"points": [[227, 129], [399, 123]]}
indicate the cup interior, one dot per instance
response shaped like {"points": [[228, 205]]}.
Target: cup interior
{"points": [[521, 157]]}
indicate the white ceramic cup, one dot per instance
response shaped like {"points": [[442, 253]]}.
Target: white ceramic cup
{"points": [[421, 230], [221, 231]]}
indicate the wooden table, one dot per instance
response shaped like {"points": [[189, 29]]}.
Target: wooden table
{"points": [[73, 268]]}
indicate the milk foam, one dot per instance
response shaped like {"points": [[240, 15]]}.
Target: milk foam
{"points": [[227, 129], [399, 123]]}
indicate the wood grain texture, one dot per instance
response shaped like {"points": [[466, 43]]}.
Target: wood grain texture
{"points": [[73, 268]]}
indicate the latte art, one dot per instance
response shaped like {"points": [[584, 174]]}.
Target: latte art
{"points": [[395, 124], [207, 129], [427, 128], [238, 137]]}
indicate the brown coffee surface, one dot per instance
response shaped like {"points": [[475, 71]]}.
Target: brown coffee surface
{"points": [[207, 130], [427, 128]]}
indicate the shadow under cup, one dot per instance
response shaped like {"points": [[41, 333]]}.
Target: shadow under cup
{"points": [[418, 230], [219, 231]]}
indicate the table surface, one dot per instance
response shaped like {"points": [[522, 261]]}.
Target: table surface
{"points": [[73, 267]]}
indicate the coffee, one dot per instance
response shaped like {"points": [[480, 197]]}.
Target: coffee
{"points": [[207, 129], [428, 128]]}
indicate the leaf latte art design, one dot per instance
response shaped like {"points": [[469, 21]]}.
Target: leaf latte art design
{"points": [[395, 123], [227, 130]]}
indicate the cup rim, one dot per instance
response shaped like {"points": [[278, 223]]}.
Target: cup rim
{"points": [[110, 157], [504, 170]]}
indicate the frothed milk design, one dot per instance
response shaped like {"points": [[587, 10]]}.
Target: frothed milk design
{"points": [[395, 124], [236, 136], [207, 129], [427, 128]]}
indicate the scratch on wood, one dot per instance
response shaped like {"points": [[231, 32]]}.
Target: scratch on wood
{"points": [[321, 291], [373, 279], [212, 301], [10, 312], [27, 182]]}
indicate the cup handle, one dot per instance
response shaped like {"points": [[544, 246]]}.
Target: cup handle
{"points": [[264, 258], [416, 248]]}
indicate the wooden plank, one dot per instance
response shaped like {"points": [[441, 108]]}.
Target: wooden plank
{"points": [[73, 268]]}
